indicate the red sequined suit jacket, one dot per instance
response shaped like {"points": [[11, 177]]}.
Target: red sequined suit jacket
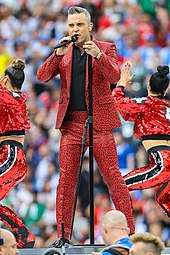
{"points": [[105, 71], [13, 111], [151, 114]]}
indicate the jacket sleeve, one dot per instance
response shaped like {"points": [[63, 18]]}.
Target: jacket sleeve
{"points": [[129, 108], [49, 69], [108, 64]]}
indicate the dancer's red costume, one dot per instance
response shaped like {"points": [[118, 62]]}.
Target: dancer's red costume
{"points": [[14, 121], [151, 117], [71, 124]]}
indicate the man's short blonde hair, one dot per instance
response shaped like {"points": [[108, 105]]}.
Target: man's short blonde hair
{"points": [[151, 242]]}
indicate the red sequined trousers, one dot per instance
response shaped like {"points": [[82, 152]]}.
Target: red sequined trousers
{"points": [[106, 158], [156, 174], [12, 171]]}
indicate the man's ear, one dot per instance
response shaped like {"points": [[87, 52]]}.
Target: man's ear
{"points": [[104, 228], [128, 230], [90, 26]]}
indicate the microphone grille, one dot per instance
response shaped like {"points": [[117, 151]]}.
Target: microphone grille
{"points": [[74, 38]]}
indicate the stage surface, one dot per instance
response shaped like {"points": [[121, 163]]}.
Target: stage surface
{"points": [[73, 250]]}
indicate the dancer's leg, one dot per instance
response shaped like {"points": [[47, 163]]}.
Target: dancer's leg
{"points": [[13, 168], [162, 197], [156, 173], [12, 171]]}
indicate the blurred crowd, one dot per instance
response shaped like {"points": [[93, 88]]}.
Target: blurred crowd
{"points": [[29, 29]]}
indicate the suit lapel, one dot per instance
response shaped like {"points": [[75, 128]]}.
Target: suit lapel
{"points": [[68, 66], [87, 73], [87, 70]]}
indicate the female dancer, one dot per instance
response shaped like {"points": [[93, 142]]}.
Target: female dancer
{"points": [[14, 121], [151, 117]]}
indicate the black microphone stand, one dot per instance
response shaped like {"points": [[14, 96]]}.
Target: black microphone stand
{"points": [[63, 245], [91, 163], [89, 122]]}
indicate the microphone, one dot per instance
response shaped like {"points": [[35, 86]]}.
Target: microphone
{"points": [[61, 44]]}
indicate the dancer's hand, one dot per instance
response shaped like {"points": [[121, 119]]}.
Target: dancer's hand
{"points": [[96, 253], [125, 78]]}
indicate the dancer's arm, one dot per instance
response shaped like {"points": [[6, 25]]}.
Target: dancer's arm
{"points": [[128, 107]]}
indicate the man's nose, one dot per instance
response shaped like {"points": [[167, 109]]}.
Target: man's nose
{"points": [[75, 28]]}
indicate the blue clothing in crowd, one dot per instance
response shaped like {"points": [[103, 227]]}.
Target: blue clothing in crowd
{"points": [[122, 243]]}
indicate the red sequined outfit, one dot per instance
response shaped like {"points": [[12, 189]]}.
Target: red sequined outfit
{"points": [[104, 152], [151, 117], [71, 125], [13, 167]]}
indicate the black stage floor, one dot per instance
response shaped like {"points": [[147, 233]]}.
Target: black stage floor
{"points": [[73, 250]]}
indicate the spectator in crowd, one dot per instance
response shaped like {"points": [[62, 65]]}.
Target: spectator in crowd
{"points": [[14, 122], [125, 153], [151, 115], [8, 245], [73, 112], [165, 51], [145, 244], [5, 57], [34, 214], [115, 234]]}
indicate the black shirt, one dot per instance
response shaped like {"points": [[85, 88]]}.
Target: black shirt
{"points": [[77, 91]]}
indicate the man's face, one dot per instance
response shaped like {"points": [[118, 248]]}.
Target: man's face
{"points": [[138, 249], [9, 248], [78, 24]]}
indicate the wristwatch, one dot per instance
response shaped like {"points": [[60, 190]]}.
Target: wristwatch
{"points": [[99, 55]]}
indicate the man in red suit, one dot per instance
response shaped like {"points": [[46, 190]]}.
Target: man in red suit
{"points": [[70, 61]]}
